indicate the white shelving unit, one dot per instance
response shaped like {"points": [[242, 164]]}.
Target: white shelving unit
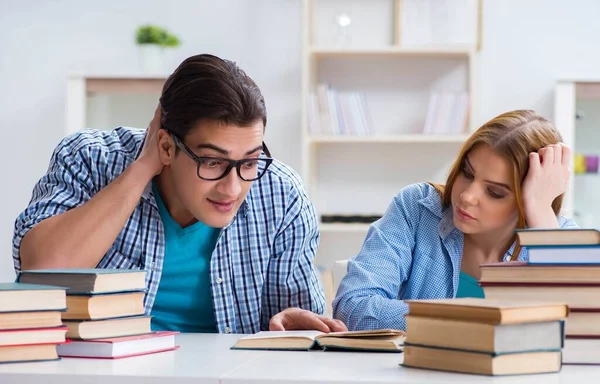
{"points": [[104, 101], [348, 174], [577, 117]]}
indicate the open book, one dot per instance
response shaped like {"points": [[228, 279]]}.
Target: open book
{"points": [[384, 340]]}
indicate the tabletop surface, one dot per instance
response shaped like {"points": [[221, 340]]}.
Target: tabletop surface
{"points": [[207, 358]]}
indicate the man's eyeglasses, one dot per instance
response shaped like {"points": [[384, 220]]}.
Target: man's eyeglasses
{"points": [[216, 168]]}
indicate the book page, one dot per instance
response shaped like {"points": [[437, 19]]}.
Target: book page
{"points": [[369, 333], [283, 334]]}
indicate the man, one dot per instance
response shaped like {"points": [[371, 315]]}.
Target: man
{"points": [[226, 234]]}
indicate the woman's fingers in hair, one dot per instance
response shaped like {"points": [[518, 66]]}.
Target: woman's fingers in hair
{"points": [[547, 155], [557, 149], [534, 161], [566, 154]]}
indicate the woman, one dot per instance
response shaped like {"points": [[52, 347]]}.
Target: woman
{"points": [[511, 173]]}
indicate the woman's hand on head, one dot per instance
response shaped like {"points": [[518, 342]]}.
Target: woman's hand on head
{"points": [[547, 178]]}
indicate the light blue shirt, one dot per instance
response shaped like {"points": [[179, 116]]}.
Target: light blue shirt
{"points": [[262, 264], [413, 252], [184, 300]]}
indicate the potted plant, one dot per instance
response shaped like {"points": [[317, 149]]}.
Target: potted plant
{"points": [[152, 40]]}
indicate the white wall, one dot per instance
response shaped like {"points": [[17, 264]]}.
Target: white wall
{"points": [[528, 44]]}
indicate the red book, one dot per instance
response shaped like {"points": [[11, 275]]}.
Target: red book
{"points": [[120, 347]]}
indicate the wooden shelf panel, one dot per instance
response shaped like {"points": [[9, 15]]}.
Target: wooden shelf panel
{"points": [[382, 139], [438, 51], [123, 85]]}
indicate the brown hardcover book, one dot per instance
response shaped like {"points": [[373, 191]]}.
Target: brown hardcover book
{"points": [[97, 307], [481, 363], [54, 335], [33, 319], [98, 329], [488, 310], [575, 236], [492, 338], [579, 296], [522, 272], [583, 323], [28, 353]]}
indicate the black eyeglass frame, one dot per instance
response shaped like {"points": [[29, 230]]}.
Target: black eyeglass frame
{"points": [[231, 163]]}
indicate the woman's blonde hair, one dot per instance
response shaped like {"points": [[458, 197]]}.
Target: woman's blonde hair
{"points": [[512, 135]]}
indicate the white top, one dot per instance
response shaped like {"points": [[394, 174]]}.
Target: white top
{"points": [[207, 358]]}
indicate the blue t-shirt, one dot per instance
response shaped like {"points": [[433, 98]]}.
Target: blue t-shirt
{"points": [[184, 298], [468, 286]]}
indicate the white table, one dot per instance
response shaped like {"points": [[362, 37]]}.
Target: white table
{"points": [[207, 358]]}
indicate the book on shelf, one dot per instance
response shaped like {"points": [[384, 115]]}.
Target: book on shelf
{"points": [[115, 327], [548, 237], [482, 363], [447, 114], [120, 347], [489, 311], [331, 112], [104, 306], [20, 297], [384, 340], [92, 280]]}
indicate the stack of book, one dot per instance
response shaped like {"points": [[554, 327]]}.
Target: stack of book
{"points": [[105, 312], [482, 336], [30, 322], [564, 266]]}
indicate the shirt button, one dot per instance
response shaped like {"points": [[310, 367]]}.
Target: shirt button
{"points": [[219, 280], [227, 330]]}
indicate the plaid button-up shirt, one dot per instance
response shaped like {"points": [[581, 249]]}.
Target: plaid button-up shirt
{"points": [[263, 260]]}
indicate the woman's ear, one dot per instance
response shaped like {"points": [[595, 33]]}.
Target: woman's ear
{"points": [[166, 147]]}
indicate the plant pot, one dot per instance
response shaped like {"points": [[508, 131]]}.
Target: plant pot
{"points": [[151, 58]]}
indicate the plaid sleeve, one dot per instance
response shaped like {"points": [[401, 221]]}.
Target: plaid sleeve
{"points": [[291, 277], [367, 295], [66, 185]]}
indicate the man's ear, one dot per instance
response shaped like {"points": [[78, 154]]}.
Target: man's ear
{"points": [[166, 147]]}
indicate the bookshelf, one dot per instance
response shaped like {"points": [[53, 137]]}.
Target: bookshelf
{"points": [[577, 117], [105, 101], [373, 47]]}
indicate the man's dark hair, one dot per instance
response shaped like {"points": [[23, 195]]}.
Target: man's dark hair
{"points": [[208, 87]]}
